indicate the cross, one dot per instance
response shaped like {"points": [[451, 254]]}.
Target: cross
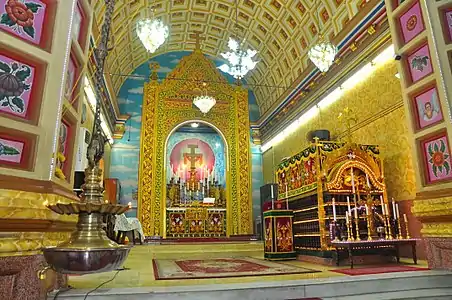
{"points": [[198, 39], [154, 66], [193, 157], [347, 117]]}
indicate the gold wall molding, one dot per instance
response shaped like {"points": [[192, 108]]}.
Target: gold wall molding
{"points": [[168, 105], [29, 243], [436, 230], [26, 225]]}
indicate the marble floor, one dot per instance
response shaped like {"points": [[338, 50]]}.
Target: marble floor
{"points": [[139, 270]]}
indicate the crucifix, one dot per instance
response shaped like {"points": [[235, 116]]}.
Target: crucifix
{"points": [[192, 156], [154, 66], [198, 39]]}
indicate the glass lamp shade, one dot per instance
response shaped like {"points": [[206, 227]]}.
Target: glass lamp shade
{"points": [[239, 62], [204, 103], [152, 33], [322, 55]]}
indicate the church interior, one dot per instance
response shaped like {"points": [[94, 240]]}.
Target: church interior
{"points": [[249, 149]]}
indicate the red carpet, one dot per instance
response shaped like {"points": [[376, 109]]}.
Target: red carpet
{"points": [[378, 270], [170, 269]]}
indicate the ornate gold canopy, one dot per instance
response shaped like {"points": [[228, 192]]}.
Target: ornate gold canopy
{"points": [[168, 105]]}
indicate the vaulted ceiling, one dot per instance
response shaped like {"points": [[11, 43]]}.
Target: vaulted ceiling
{"points": [[280, 30]]}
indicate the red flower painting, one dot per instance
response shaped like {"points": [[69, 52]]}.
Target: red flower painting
{"points": [[438, 158], [20, 16]]}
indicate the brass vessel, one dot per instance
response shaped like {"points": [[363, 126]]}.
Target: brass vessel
{"points": [[88, 250]]}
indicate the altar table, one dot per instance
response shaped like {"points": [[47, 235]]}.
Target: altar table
{"points": [[351, 246], [197, 221]]}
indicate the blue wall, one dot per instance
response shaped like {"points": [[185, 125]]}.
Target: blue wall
{"points": [[125, 152]]}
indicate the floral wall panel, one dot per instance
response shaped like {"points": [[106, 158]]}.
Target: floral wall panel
{"points": [[420, 63], [24, 19], [428, 109], [437, 158], [448, 24], [70, 78], [411, 23], [16, 86], [11, 151], [17, 149]]}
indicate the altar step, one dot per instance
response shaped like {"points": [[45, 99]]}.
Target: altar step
{"points": [[202, 250], [420, 285]]}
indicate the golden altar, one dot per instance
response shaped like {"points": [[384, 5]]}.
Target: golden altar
{"points": [[169, 105], [195, 220]]}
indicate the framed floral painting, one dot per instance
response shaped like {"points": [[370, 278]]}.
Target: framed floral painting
{"points": [[437, 158], [78, 25], [16, 86], [11, 150], [411, 22], [16, 149], [447, 24], [23, 18], [420, 63], [71, 77], [428, 108]]}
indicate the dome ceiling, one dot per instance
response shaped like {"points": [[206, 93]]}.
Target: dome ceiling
{"points": [[280, 30]]}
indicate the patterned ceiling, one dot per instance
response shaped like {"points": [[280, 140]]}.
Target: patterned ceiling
{"points": [[280, 30]]}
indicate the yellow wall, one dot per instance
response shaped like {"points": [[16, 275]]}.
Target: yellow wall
{"points": [[379, 109]]}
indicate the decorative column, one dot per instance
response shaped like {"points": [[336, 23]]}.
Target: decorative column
{"points": [[422, 36], [41, 60]]}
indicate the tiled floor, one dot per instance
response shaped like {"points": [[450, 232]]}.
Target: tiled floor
{"points": [[139, 272]]}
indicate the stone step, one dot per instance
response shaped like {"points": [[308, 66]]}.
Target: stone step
{"points": [[407, 285]]}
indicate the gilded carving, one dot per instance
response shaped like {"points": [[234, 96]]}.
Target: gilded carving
{"points": [[381, 121], [169, 104]]}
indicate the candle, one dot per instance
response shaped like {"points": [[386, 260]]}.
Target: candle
{"points": [[346, 217], [382, 205], [367, 210], [404, 218], [348, 203], [287, 194], [386, 209], [393, 208], [271, 191], [334, 209], [367, 180], [353, 180], [397, 211], [356, 212]]}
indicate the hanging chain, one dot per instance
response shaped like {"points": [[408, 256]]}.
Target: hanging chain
{"points": [[96, 146]]}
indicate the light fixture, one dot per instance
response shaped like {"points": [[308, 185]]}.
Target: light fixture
{"points": [[238, 61], [194, 125], [351, 82], [204, 103], [152, 32], [322, 55]]}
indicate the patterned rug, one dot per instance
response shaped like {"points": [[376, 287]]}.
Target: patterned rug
{"points": [[168, 269], [378, 270]]}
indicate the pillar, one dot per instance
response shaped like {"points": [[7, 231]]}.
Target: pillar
{"points": [[422, 36], [41, 61]]}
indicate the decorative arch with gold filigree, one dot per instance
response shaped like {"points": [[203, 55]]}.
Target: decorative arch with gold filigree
{"points": [[168, 104]]}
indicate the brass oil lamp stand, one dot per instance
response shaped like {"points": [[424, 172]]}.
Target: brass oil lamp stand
{"points": [[89, 250]]}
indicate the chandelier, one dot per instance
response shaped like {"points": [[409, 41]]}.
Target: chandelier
{"points": [[152, 33], [204, 103], [239, 62], [322, 55]]}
